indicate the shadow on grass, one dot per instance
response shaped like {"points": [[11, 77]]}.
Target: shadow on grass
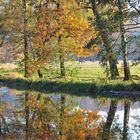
{"points": [[74, 88]]}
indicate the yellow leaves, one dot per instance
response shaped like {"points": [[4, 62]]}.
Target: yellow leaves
{"points": [[46, 121], [81, 124], [78, 30], [95, 50], [74, 25], [67, 21], [115, 9], [82, 52], [67, 4]]}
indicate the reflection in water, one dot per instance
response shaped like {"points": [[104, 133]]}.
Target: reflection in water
{"points": [[108, 124], [62, 114], [2, 118], [59, 117], [126, 119], [27, 115]]}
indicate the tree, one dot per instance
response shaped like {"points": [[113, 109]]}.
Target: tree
{"points": [[62, 33], [104, 33], [16, 25], [127, 75], [134, 4], [26, 46]]}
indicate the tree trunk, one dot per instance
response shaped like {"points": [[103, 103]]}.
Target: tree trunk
{"points": [[39, 72], [106, 41], [111, 115], [40, 75], [26, 55], [61, 59], [126, 120], [62, 66], [127, 75]]}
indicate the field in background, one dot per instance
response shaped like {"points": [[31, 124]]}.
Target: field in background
{"points": [[85, 69], [7, 66], [89, 69], [83, 79]]}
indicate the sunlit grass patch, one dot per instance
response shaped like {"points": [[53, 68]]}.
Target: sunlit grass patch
{"points": [[8, 66]]}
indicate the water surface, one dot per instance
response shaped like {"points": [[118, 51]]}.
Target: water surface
{"points": [[15, 111]]}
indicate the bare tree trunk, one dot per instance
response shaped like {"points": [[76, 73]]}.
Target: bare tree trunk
{"points": [[126, 120], [106, 41], [62, 66], [127, 75], [61, 53], [61, 59], [111, 115], [26, 55]]}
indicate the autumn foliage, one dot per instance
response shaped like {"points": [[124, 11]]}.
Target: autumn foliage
{"points": [[47, 121]]}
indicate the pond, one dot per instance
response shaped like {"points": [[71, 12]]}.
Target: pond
{"points": [[30, 115]]}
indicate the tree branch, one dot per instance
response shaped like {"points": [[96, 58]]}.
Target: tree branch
{"points": [[133, 6]]}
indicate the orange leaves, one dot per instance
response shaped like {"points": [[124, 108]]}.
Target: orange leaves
{"points": [[82, 52], [51, 21], [95, 50], [80, 125], [77, 29], [48, 118]]}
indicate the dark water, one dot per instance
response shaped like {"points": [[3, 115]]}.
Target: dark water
{"points": [[120, 117]]}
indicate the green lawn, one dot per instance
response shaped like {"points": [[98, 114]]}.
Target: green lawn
{"points": [[91, 70], [85, 70], [94, 70], [89, 78]]}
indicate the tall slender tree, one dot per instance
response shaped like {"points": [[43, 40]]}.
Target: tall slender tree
{"points": [[26, 47], [124, 48], [106, 41], [103, 34]]}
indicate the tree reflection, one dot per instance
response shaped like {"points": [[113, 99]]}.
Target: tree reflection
{"points": [[40, 117], [27, 116], [4, 111], [111, 115], [126, 119]]}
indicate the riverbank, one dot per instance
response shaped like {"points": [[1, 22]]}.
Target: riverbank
{"points": [[89, 80], [74, 86]]}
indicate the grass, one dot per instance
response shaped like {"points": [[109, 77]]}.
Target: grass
{"points": [[94, 70], [90, 79], [91, 70]]}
